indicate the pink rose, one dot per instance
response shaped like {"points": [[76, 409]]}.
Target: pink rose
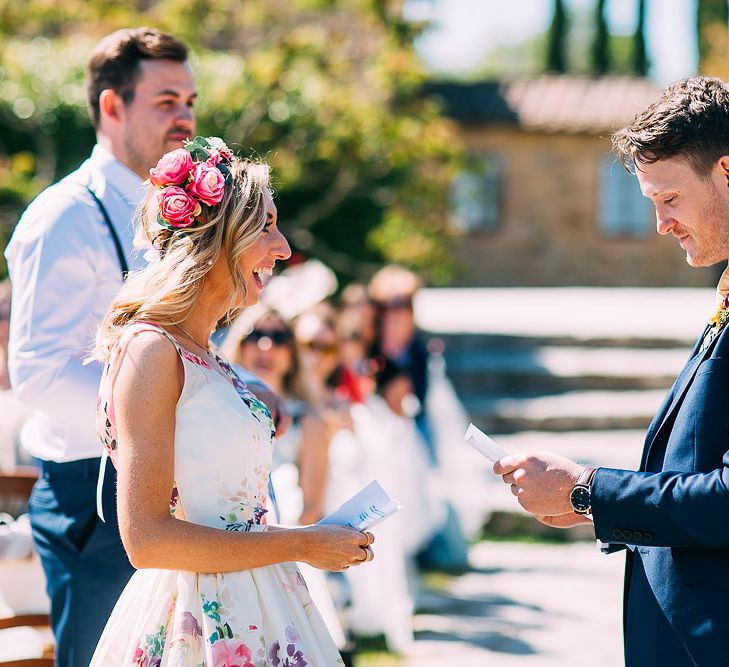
{"points": [[173, 168], [177, 207], [207, 184]]}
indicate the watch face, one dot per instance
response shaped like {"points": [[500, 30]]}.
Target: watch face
{"points": [[580, 499]]}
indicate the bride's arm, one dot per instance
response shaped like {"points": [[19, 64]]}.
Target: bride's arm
{"points": [[145, 394]]}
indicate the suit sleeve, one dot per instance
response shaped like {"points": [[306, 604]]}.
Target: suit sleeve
{"points": [[665, 509]]}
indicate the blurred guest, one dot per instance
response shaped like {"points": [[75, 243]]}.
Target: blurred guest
{"points": [[392, 289]]}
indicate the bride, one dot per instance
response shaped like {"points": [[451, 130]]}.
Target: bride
{"points": [[192, 446]]}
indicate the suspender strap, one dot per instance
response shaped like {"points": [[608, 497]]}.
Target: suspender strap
{"points": [[114, 236]]}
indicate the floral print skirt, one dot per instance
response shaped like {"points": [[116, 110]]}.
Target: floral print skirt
{"points": [[252, 618]]}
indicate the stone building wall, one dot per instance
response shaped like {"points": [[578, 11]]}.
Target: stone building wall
{"points": [[549, 231]]}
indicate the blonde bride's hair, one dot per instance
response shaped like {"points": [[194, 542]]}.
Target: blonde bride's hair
{"points": [[164, 291]]}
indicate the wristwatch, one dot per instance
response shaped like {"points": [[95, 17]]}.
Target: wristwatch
{"points": [[580, 497]]}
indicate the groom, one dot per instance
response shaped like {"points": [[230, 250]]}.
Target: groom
{"points": [[673, 514]]}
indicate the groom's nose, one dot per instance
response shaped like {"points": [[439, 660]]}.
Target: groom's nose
{"points": [[664, 223]]}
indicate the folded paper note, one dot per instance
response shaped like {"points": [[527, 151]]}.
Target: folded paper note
{"points": [[363, 510], [480, 441]]}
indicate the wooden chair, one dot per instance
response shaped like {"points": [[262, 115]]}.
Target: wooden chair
{"points": [[15, 488]]}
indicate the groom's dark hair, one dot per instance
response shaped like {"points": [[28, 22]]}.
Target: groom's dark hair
{"points": [[690, 120], [114, 63]]}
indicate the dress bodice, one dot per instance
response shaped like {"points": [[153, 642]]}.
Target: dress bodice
{"points": [[223, 440]]}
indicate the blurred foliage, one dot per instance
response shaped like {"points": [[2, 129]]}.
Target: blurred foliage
{"points": [[711, 15], [639, 55], [528, 57], [556, 42], [716, 60], [600, 52], [326, 90]]}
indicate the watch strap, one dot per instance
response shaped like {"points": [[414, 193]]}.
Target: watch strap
{"points": [[586, 477]]}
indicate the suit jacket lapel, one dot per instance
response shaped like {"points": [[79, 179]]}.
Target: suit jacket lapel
{"points": [[676, 394]]}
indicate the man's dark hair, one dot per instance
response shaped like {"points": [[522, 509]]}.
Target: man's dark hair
{"points": [[114, 63], [690, 120]]}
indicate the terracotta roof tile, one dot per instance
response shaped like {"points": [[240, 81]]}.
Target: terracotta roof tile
{"points": [[548, 103]]}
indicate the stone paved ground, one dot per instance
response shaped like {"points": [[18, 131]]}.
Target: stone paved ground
{"points": [[531, 605]]}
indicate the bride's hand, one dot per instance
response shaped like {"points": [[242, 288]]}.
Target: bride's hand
{"points": [[336, 548]]}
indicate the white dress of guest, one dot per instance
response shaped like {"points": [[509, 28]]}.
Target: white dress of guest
{"points": [[385, 447]]}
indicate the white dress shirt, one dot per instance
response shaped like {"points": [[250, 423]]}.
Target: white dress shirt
{"points": [[65, 273]]}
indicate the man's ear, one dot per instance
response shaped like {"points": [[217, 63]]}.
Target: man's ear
{"points": [[110, 105], [723, 164]]}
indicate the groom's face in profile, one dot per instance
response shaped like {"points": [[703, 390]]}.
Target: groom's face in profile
{"points": [[160, 116], [694, 208]]}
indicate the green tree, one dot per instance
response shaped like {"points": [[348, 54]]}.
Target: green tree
{"points": [[328, 91], [639, 56], [709, 14], [557, 39], [600, 52]]}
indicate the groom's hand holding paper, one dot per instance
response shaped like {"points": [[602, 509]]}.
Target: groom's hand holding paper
{"points": [[540, 481]]}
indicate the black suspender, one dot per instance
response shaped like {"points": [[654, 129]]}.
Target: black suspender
{"points": [[114, 236]]}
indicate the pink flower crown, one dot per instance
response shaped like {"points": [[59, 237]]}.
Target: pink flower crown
{"points": [[189, 177]]}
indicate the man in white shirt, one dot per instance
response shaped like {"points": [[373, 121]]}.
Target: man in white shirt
{"points": [[66, 260]]}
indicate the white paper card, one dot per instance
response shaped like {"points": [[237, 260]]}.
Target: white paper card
{"points": [[481, 442], [363, 510]]}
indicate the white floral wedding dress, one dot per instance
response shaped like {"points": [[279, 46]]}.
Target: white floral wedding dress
{"points": [[264, 616]]}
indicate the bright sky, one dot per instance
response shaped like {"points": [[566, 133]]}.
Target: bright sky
{"points": [[465, 30]]}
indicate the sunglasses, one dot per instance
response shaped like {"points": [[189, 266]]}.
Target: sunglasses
{"points": [[277, 337], [324, 348]]}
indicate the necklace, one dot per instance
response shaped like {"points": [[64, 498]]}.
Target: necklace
{"points": [[194, 340]]}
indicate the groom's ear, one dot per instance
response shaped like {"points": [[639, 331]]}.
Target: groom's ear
{"points": [[723, 164], [109, 105]]}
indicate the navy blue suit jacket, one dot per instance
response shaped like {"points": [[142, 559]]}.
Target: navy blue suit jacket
{"points": [[675, 511]]}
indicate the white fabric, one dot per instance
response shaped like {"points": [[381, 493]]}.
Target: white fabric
{"points": [[65, 272], [385, 447], [223, 452]]}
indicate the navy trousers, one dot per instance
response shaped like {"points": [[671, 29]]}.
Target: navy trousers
{"points": [[84, 561]]}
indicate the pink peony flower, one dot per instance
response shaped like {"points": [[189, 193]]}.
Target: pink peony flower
{"points": [[177, 207], [207, 184], [231, 653], [173, 168]]}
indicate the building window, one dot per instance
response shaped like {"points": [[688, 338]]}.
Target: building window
{"points": [[476, 193], [624, 211]]}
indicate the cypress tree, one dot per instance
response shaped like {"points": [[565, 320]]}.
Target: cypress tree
{"points": [[557, 39], [639, 57], [708, 13], [600, 55]]}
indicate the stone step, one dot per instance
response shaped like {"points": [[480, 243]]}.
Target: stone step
{"points": [[549, 369], [568, 411], [568, 313]]}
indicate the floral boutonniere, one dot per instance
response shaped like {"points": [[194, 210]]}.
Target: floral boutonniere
{"points": [[717, 322], [721, 316]]}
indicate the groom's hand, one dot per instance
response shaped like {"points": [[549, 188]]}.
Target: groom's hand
{"points": [[564, 520], [541, 481]]}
